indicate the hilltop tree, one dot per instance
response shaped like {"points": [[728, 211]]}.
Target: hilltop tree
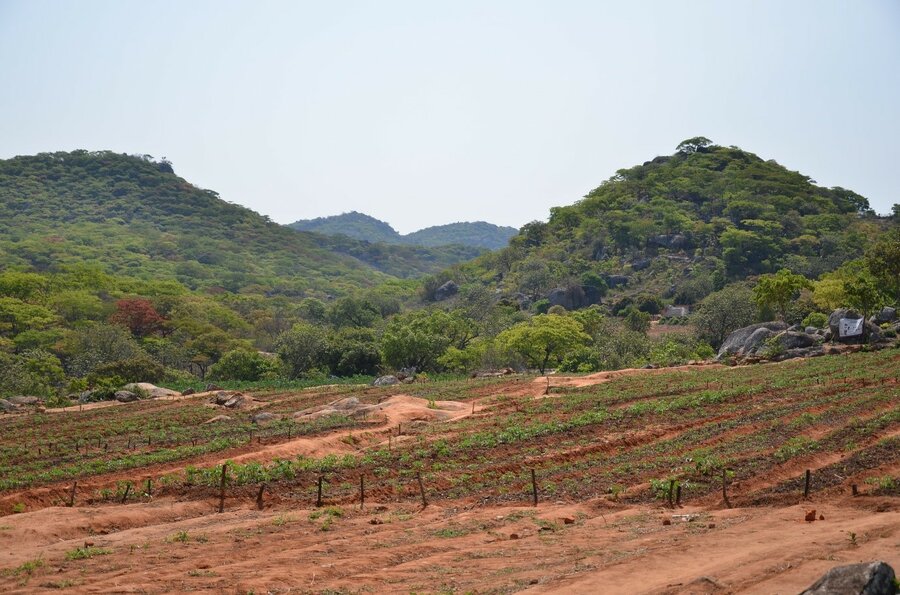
{"points": [[883, 260], [692, 145]]}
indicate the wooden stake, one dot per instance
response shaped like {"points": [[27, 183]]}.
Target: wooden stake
{"points": [[362, 492], [534, 492], [127, 491], [806, 484], [422, 490], [149, 487], [724, 488], [854, 489], [72, 495], [222, 488], [319, 494], [259, 496], [678, 496]]}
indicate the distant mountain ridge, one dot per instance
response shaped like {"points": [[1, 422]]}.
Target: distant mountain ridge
{"points": [[477, 234]]}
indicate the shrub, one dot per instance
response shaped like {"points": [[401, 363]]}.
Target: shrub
{"points": [[242, 364], [140, 368], [816, 319]]}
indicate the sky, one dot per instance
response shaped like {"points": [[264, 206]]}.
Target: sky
{"points": [[429, 112]]}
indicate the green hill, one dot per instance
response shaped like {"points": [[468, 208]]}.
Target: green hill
{"points": [[132, 216], [477, 234], [679, 227]]}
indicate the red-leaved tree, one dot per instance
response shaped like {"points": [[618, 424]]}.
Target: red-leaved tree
{"points": [[138, 315]]}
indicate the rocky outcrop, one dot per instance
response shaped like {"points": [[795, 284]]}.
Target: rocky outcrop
{"points": [[868, 578], [7, 407], [27, 401], [745, 340], [570, 299], [126, 396], [446, 291], [615, 280], [885, 315], [843, 332]]}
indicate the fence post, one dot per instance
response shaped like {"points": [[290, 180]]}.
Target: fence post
{"points": [[259, 496], [72, 495], [534, 492], [222, 488], [422, 490], [319, 494], [806, 484], [127, 490], [724, 488], [149, 486], [362, 492]]}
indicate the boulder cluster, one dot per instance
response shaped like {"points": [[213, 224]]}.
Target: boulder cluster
{"points": [[777, 341]]}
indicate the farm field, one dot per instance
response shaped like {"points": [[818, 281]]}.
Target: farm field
{"points": [[608, 452]]}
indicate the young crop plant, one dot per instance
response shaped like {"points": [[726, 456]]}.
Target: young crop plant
{"points": [[85, 553]]}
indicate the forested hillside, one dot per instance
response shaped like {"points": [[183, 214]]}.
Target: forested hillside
{"points": [[113, 269], [477, 234], [681, 226]]}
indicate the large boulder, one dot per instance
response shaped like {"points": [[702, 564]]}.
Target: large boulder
{"points": [[126, 396], [446, 291], [846, 326], [387, 380], [264, 418], [794, 340], [616, 280], [886, 315], [570, 299], [152, 391], [868, 578], [745, 341]]}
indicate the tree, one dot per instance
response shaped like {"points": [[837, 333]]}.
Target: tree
{"points": [[353, 311], [778, 290], [301, 349], [17, 316], [637, 321], [693, 145], [352, 351], [544, 338], [244, 364], [883, 260], [723, 312], [138, 315], [864, 295], [416, 339], [95, 344]]}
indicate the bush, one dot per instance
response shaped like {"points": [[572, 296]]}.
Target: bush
{"points": [[140, 368], [816, 319], [242, 364]]}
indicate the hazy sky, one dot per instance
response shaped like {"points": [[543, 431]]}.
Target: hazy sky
{"points": [[427, 112]]}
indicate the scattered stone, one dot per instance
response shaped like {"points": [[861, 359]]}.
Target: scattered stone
{"points": [[886, 315], [533, 581], [212, 387], [376, 521], [187, 391], [868, 578], [217, 419], [264, 417], [234, 401], [126, 396], [810, 516], [388, 380], [7, 407], [821, 517], [29, 401], [568, 521], [514, 536], [667, 521], [711, 526]]}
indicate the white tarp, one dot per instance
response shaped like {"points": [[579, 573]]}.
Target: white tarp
{"points": [[850, 327]]}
